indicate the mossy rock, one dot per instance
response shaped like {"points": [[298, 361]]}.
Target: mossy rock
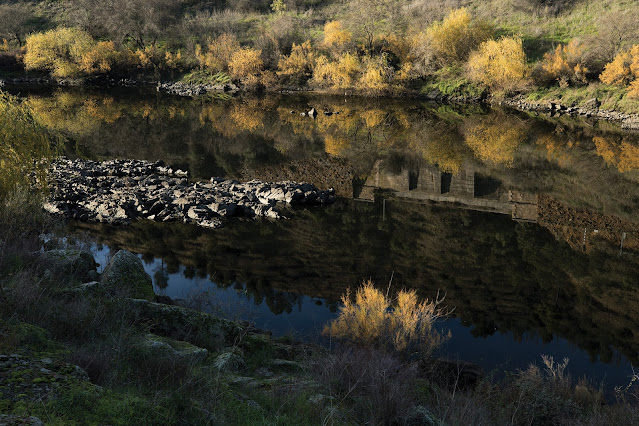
{"points": [[72, 264], [199, 328], [22, 338], [124, 276], [163, 347], [26, 379]]}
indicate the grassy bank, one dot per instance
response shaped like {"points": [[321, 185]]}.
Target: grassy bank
{"points": [[570, 50]]}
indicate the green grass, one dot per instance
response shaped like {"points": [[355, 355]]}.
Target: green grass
{"points": [[612, 98]]}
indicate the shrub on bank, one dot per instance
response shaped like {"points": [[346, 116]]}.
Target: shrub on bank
{"points": [[373, 319]]}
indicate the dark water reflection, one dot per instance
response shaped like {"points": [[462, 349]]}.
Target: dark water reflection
{"points": [[520, 220]]}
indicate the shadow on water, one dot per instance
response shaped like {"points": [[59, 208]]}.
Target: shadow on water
{"points": [[527, 223]]}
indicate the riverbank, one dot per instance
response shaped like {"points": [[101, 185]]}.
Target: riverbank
{"points": [[569, 102]]}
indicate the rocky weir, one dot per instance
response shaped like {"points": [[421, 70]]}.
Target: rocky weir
{"points": [[119, 191]]}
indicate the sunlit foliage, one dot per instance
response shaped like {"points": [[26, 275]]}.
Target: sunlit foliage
{"points": [[246, 65], [338, 74], [376, 74], [565, 64], [456, 36], [67, 52], [298, 66], [336, 37], [218, 54], [25, 146], [399, 324], [499, 64], [624, 71]]}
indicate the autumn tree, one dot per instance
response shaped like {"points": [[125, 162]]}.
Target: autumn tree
{"points": [[336, 37], [499, 64], [452, 40], [246, 66], [376, 74], [68, 52], [369, 20], [218, 54], [298, 66], [564, 65], [340, 73], [624, 71]]}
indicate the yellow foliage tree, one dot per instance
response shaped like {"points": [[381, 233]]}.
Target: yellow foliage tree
{"points": [[219, 53], [336, 37], [374, 319], [335, 145], [341, 73], [298, 66], [67, 52], [376, 74], [499, 64], [246, 65], [99, 59], [456, 36], [624, 70], [565, 64]]}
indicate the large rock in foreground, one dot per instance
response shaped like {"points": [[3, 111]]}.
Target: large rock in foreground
{"points": [[198, 328], [124, 276]]}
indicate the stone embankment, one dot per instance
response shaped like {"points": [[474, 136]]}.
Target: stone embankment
{"points": [[119, 191], [589, 109], [186, 89]]}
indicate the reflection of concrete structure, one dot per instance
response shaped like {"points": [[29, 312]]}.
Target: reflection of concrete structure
{"points": [[465, 188]]}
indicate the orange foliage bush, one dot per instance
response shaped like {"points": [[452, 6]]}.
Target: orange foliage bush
{"points": [[565, 64], [624, 70]]}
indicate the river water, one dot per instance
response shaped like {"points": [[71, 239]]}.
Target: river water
{"points": [[527, 224]]}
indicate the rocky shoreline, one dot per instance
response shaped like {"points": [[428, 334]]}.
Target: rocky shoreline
{"points": [[589, 109], [119, 191]]}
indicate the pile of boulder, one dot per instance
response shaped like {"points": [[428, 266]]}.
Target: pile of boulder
{"points": [[118, 191]]}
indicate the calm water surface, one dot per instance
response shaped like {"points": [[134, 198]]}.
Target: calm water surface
{"points": [[527, 223]]}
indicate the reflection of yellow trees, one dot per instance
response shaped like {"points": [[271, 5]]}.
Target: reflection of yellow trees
{"points": [[24, 145], [373, 117], [624, 156], [555, 147], [247, 117], [442, 148], [494, 139], [335, 145], [374, 319]]}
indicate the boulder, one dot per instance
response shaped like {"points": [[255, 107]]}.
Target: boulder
{"points": [[229, 362], [162, 347], [124, 276], [74, 264], [177, 322]]}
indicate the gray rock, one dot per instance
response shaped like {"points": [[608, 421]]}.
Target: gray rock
{"points": [[176, 322], [229, 362], [124, 276], [162, 347], [74, 264]]}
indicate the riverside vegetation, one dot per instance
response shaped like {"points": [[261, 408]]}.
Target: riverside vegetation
{"points": [[567, 51], [80, 348]]}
